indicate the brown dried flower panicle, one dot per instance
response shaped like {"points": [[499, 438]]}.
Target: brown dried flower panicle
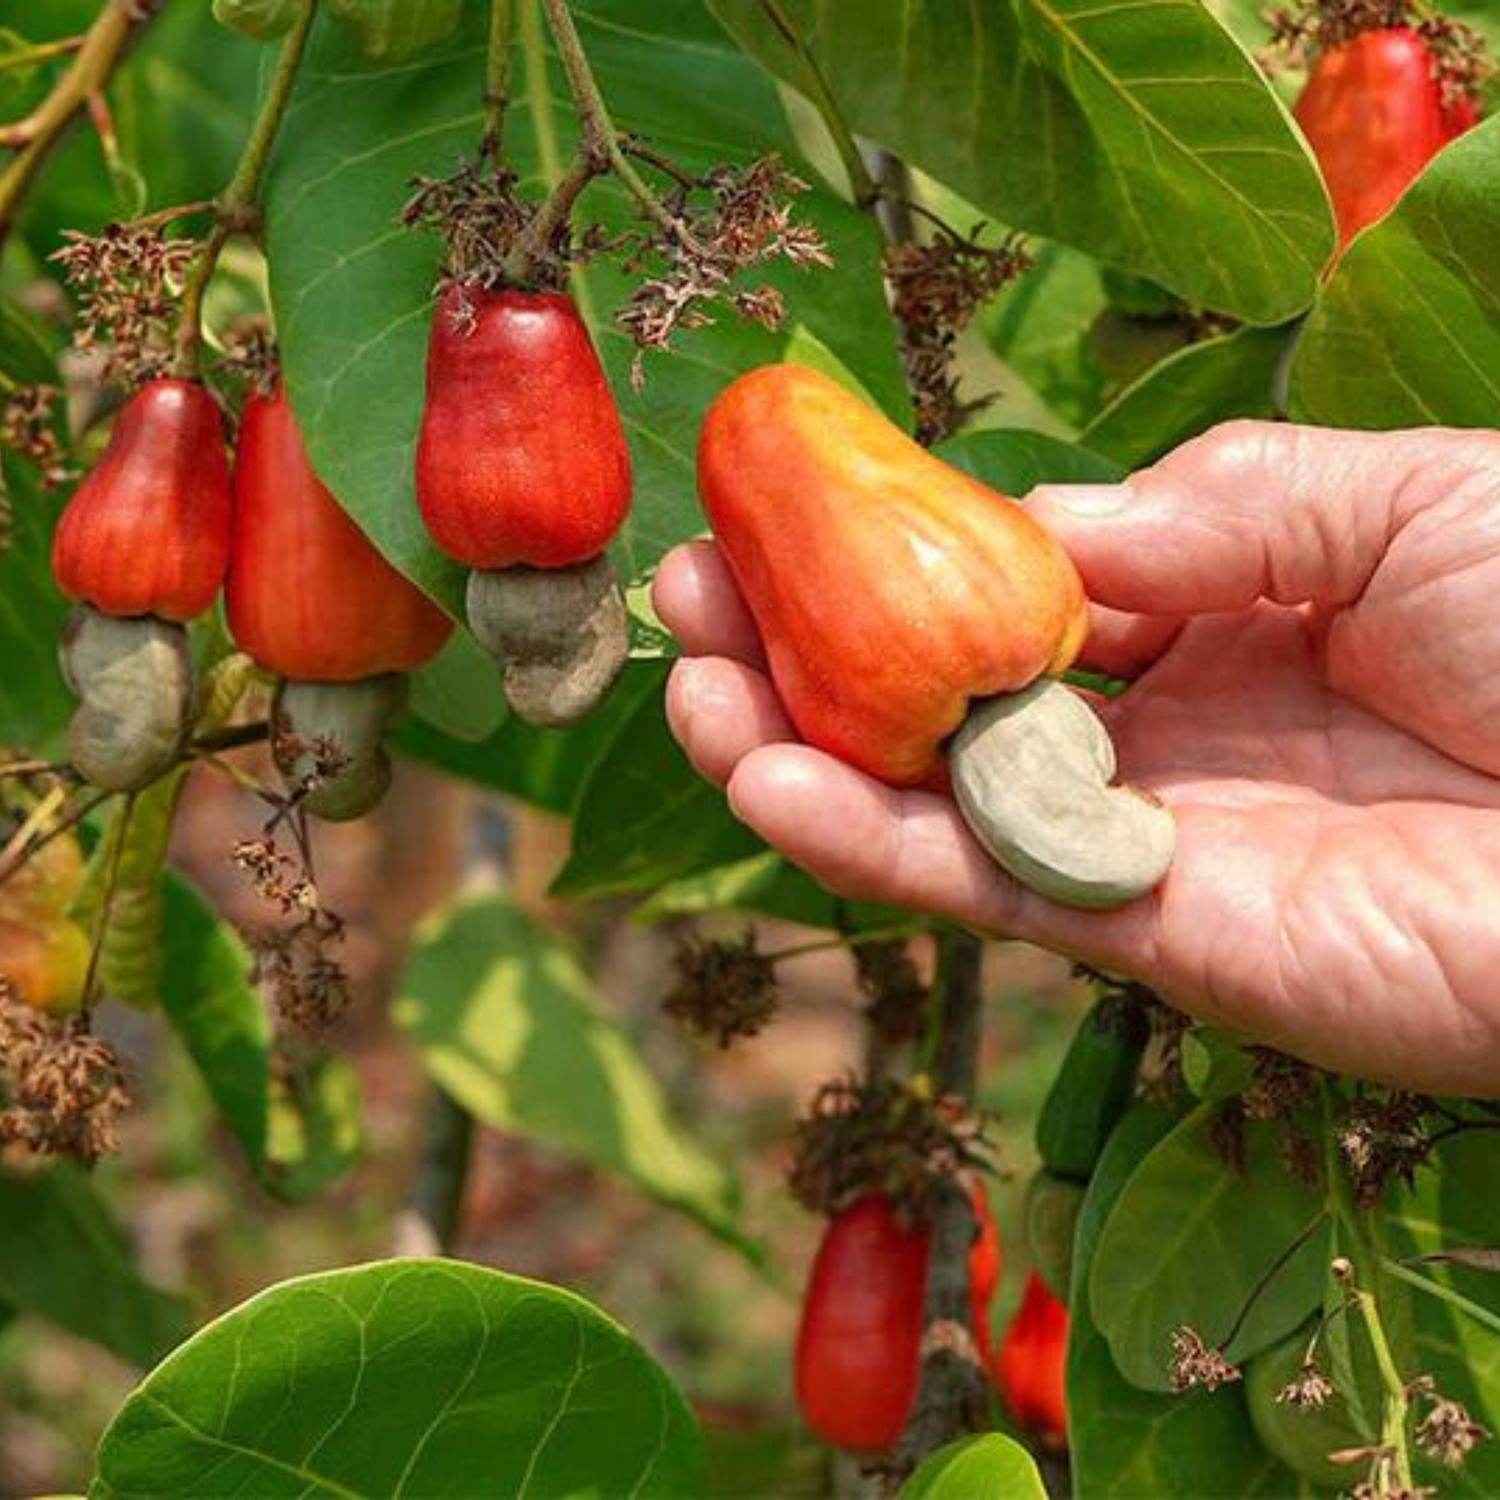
{"points": [[888, 1136], [888, 977], [1447, 1432], [1195, 1364], [1308, 1390], [128, 279], [936, 288], [63, 1088], [720, 226], [723, 990], [1383, 1138], [28, 426]]}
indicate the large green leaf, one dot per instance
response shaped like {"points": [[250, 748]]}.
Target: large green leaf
{"points": [[645, 817], [416, 1378], [508, 1023], [1137, 130], [352, 291], [1230, 376], [296, 1123], [1126, 1443], [1186, 1209], [1016, 462], [1407, 332], [63, 1257], [989, 1464]]}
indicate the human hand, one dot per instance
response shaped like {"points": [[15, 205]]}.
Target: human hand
{"points": [[1312, 620]]}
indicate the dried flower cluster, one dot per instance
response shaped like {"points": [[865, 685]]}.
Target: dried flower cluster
{"points": [[250, 356], [724, 990], [128, 279], [1302, 31], [888, 978], [28, 427], [1194, 1363], [1383, 1138], [1447, 1433], [936, 288], [64, 1089], [1308, 1390], [294, 961], [888, 1136], [721, 225]]}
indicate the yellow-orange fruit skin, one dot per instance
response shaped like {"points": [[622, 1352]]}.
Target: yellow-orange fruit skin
{"points": [[890, 588]]}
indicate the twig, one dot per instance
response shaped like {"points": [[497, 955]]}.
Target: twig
{"points": [[950, 1388], [496, 76], [65, 824], [428, 1224], [233, 738], [42, 52], [599, 132], [106, 907], [34, 138], [236, 209], [1397, 1399], [864, 187]]}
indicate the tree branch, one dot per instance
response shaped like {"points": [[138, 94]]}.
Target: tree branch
{"points": [[429, 1222], [105, 43]]}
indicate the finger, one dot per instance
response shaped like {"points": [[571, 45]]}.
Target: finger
{"points": [[1254, 510], [696, 598], [1125, 645], [720, 711]]}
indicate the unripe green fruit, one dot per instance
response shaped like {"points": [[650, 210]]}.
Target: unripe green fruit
{"points": [[351, 718], [560, 635], [134, 682]]}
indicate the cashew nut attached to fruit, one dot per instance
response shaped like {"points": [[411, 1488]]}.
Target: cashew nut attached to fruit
{"points": [[134, 682], [1033, 773], [560, 635], [342, 725]]}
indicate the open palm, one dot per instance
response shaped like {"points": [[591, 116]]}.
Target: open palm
{"points": [[1311, 622]]}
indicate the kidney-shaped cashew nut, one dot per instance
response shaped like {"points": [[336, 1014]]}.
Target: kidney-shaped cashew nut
{"points": [[1033, 773]]}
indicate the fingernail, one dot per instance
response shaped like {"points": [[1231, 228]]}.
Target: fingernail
{"points": [[1089, 502]]}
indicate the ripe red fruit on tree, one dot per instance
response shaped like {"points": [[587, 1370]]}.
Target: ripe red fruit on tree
{"points": [[1029, 1369], [521, 457], [1373, 112], [308, 595], [890, 588], [147, 532], [859, 1341]]}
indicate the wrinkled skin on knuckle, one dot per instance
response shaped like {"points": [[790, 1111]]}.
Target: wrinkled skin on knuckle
{"points": [[561, 636], [134, 681], [351, 717]]}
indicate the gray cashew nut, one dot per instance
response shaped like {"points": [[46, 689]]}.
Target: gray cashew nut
{"points": [[1033, 773], [560, 635], [352, 718], [134, 681]]}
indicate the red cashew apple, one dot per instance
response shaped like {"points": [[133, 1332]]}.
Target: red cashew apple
{"points": [[1030, 1367], [311, 599], [142, 546], [911, 618], [859, 1341], [1374, 115], [523, 475]]}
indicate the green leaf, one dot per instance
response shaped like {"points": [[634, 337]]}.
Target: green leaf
{"points": [[1188, 392], [645, 817], [296, 1123], [989, 1464], [545, 767], [34, 700], [458, 691], [63, 1257], [260, 20], [26, 347], [1215, 1064], [1039, 325], [1134, 1443], [1016, 462], [430, 1378], [390, 30], [1407, 332], [508, 1023], [1138, 131], [353, 291], [1186, 1209]]}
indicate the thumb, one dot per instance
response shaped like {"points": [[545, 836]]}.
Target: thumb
{"points": [[1250, 510]]}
